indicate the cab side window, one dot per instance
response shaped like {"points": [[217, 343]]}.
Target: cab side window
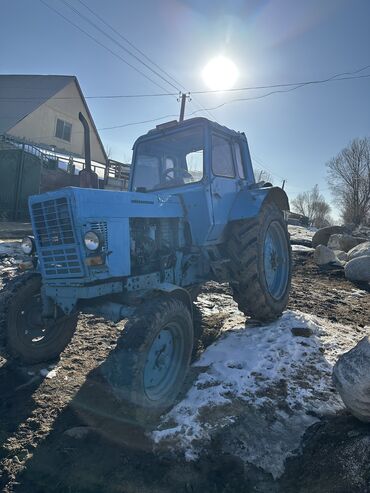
{"points": [[239, 160], [222, 157]]}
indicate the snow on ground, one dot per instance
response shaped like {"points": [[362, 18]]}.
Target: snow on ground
{"points": [[10, 247], [270, 383], [302, 248], [301, 233]]}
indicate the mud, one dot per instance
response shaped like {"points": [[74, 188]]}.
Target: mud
{"points": [[59, 431]]}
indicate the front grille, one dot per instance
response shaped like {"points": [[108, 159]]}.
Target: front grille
{"points": [[53, 228]]}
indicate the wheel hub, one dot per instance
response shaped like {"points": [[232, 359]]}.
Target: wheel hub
{"points": [[276, 260], [161, 364]]}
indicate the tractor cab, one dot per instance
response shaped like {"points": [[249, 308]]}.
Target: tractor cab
{"points": [[197, 150], [203, 162]]}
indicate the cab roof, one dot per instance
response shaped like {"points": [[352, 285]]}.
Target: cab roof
{"points": [[176, 125]]}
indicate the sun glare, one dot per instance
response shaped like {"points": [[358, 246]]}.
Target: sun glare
{"points": [[220, 73]]}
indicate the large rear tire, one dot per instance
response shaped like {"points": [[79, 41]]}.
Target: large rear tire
{"points": [[27, 336], [151, 360], [261, 264]]}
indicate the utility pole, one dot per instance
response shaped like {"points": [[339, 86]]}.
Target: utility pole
{"points": [[182, 97]]}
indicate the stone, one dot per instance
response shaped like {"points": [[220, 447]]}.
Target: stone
{"points": [[301, 331], [342, 256], [351, 377], [358, 269], [343, 242], [361, 250], [321, 237], [324, 255]]}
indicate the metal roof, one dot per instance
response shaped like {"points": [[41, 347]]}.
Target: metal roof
{"points": [[20, 95]]}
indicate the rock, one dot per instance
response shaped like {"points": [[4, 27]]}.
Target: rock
{"points": [[324, 255], [351, 377], [362, 231], [301, 331], [321, 237], [343, 242], [358, 269], [361, 250], [342, 256]]}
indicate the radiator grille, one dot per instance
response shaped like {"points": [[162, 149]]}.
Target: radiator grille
{"points": [[59, 253]]}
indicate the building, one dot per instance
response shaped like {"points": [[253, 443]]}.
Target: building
{"points": [[43, 110], [42, 139]]}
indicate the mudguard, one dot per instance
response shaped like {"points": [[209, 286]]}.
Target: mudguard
{"points": [[248, 202]]}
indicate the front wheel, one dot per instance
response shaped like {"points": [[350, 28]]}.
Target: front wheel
{"points": [[151, 360], [261, 264], [27, 335]]}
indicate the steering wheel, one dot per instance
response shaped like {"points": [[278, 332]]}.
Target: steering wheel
{"points": [[176, 171]]}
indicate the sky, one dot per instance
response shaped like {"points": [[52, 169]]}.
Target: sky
{"points": [[291, 134]]}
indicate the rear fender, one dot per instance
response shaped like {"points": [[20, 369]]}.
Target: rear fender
{"points": [[249, 202]]}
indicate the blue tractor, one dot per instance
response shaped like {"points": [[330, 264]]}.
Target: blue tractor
{"points": [[193, 213]]}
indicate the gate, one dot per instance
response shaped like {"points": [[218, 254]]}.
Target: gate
{"points": [[20, 173]]}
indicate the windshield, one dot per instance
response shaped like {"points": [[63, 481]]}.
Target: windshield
{"points": [[169, 161]]}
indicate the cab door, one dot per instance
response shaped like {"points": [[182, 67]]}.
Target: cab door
{"points": [[224, 182]]}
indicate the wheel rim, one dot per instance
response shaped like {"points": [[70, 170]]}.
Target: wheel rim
{"points": [[30, 327], [276, 260], [163, 362]]}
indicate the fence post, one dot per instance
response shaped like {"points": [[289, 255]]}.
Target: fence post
{"points": [[19, 185]]}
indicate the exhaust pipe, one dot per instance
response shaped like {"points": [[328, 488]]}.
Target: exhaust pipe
{"points": [[88, 178]]}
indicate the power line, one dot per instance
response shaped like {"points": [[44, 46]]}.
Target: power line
{"points": [[262, 96], [100, 44], [274, 86], [150, 95], [118, 43], [129, 42], [132, 54]]}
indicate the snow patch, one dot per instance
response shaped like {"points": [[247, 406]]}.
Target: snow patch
{"points": [[270, 384], [301, 233], [302, 248], [48, 373]]}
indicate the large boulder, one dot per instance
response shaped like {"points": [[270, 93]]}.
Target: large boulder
{"points": [[351, 376], [324, 256], [358, 269], [361, 250], [343, 242], [321, 237]]}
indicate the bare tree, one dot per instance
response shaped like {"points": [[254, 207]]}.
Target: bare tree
{"points": [[349, 180], [262, 175], [313, 205]]}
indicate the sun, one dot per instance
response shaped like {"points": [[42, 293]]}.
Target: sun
{"points": [[220, 73]]}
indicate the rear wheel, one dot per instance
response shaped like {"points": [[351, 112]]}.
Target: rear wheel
{"points": [[27, 335], [260, 263], [150, 363]]}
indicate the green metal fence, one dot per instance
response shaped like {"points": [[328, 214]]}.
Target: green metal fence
{"points": [[20, 173]]}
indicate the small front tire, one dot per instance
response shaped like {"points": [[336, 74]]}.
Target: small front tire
{"points": [[28, 337], [150, 363]]}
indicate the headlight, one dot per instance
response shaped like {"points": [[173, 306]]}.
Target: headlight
{"points": [[92, 241], [28, 245]]}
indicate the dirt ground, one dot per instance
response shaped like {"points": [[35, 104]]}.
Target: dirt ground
{"points": [[60, 434]]}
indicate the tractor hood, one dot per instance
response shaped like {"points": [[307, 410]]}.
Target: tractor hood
{"points": [[91, 203], [61, 218]]}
